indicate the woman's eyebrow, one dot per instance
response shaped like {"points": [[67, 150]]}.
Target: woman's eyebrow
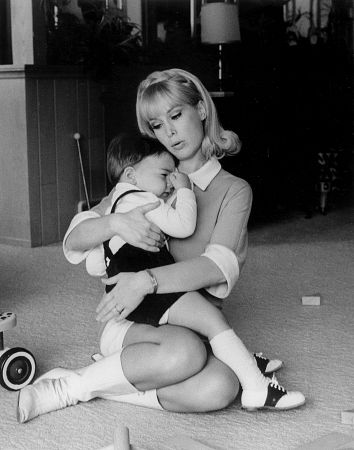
{"points": [[174, 107], [167, 112]]}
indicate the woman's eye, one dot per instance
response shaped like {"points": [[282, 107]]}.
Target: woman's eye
{"points": [[176, 115], [155, 126]]}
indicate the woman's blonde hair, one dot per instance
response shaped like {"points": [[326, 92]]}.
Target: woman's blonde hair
{"points": [[181, 87]]}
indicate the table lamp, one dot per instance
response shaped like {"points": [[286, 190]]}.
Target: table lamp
{"points": [[220, 25]]}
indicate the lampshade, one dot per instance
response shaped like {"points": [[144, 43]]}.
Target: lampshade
{"points": [[219, 23]]}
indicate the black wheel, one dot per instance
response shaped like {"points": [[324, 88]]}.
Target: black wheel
{"points": [[18, 368]]}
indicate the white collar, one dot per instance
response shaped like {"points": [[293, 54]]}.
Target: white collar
{"points": [[205, 175]]}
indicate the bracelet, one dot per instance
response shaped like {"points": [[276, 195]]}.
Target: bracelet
{"points": [[153, 280]]}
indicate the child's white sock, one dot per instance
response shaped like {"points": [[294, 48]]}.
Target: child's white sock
{"points": [[229, 348]]}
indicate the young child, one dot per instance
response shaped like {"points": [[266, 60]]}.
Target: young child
{"points": [[144, 172]]}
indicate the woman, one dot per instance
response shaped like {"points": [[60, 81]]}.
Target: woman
{"points": [[170, 365]]}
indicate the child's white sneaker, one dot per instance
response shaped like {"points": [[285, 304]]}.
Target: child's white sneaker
{"points": [[273, 397], [265, 365]]}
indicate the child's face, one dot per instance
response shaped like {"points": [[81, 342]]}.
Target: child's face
{"points": [[152, 174], [179, 129]]}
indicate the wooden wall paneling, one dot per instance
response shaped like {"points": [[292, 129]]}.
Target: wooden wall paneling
{"points": [[34, 185], [67, 163], [14, 205], [48, 161], [83, 129], [41, 109], [96, 142]]}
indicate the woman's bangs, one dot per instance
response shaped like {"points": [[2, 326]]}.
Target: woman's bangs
{"points": [[156, 98]]}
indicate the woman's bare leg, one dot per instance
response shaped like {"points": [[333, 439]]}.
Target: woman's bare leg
{"points": [[157, 357], [213, 388]]}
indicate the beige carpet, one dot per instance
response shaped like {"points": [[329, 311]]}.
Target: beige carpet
{"points": [[289, 258]]}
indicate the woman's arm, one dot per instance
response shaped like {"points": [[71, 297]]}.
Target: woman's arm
{"points": [[131, 288], [90, 229], [132, 227], [190, 275]]}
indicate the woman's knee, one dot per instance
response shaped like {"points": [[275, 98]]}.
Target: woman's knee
{"points": [[182, 350], [222, 389]]}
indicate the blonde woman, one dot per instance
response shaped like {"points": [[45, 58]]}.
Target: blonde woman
{"points": [[168, 367]]}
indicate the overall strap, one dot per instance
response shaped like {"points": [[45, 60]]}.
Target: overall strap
{"points": [[121, 196], [107, 250]]}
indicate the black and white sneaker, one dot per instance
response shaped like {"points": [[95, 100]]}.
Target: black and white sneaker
{"points": [[273, 397], [265, 365]]}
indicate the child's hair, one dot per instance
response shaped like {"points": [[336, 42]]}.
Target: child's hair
{"points": [[126, 150], [180, 87]]}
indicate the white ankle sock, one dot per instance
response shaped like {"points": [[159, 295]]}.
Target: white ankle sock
{"points": [[229, 348]]}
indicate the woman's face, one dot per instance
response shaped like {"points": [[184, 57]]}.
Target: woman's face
{"points": [[180, 129]]}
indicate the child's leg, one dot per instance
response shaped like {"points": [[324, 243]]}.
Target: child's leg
{"points": [[193, 311]]}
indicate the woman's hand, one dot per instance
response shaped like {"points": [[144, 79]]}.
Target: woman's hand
{"points": [[133, 227], [129, 292]]}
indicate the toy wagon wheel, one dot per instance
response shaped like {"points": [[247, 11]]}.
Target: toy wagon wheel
{"points": [[18, 368]]}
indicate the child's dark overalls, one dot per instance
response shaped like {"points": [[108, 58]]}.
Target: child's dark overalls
{"points": [[133, 259]]}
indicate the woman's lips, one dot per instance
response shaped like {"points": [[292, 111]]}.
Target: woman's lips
{"points": [[178, 145]]}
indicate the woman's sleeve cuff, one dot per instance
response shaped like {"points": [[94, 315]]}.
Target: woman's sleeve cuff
{"points": [[227, 262], [76, 256]]}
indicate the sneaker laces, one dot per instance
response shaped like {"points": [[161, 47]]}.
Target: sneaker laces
{"points": [[275, 383]]}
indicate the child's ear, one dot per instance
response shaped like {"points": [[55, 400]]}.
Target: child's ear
{"points": [[129, 173]]}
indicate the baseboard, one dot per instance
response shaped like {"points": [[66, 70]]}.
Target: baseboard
{"points": [[15, 241]]}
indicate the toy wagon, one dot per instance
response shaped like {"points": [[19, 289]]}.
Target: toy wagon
{"points": [[17, 365]]}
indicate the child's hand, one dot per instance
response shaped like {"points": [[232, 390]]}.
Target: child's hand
{"points": [[180, 180]]}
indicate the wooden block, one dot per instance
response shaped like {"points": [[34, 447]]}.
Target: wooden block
{"points": [[348, 417], [121, 438], [311, 300]]}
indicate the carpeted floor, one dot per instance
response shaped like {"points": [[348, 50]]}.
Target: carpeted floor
{"points": [[288, 258]]}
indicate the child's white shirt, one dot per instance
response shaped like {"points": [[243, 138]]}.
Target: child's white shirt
{"points": [[177, 221]]}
